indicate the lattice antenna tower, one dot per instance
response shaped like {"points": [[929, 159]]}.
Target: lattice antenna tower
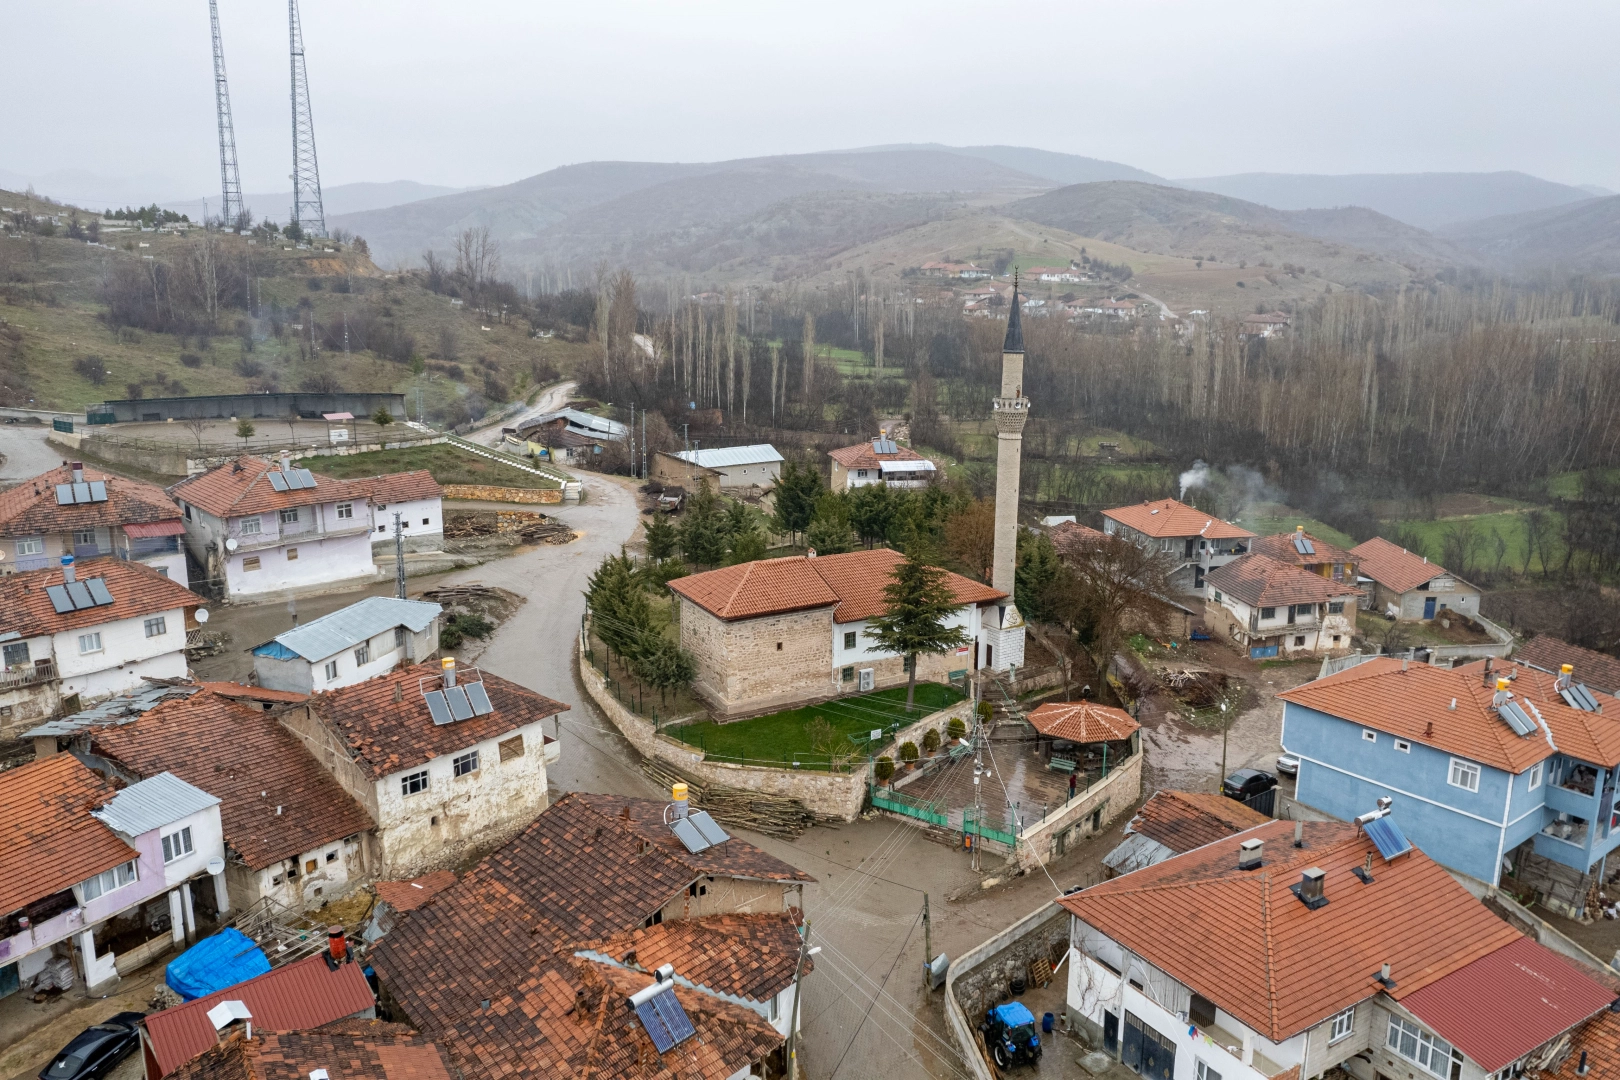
{"points": [[229, 181], [307, 210]]}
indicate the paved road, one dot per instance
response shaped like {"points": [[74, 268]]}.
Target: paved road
{"points": [[553, 399], [25, 452]]}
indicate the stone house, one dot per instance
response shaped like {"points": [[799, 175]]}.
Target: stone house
{"points": [[1198, 541], [778, 632], [88, 513], [726, 468], [1409, 586], [368, 638], [1271, 608], [443, 761]]}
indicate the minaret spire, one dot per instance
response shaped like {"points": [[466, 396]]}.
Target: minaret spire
{"points": [[1010, 410]]}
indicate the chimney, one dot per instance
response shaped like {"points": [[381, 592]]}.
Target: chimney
{"points": [[448, 664], [678, 793], [337, 946], [1309, 889], [1566, 677], [810, 554], [1582, 1069], [227, 1013], [1485, 675], [286, 461], [1501, 696], [1299, 834], [1384, 977], [68, 573], [78, 472], [1249, 855]]}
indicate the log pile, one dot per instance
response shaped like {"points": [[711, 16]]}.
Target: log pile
{"points": [[465, 595], [739, 808], [512, 526], [1198, 687]]}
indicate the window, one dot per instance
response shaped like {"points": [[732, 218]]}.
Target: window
{"points": [[382, 528], [1403, 746], [510, 748], [331, 670], [466, 763], [1335, 607], [1343, 1024], [188, 511], [847, 675], [84, 538], [16, 654], [252, 526], [399, 637], [1369, 735], [415, 782], [108, 880], [1464, 774], [177, 844], [250, 564], [156, 627], [1217, 596], [89, 643], [292, 554], [362, 655], [1299, 641], [331, 856], [311, 866], [1268, 613], [289, 515], [1207, 1073], [345, 511], [849, 639], [33, 545], [778, 646], [1414, 1044], [1535, 772], [425, 521], [1336, 638], [860, 473]]}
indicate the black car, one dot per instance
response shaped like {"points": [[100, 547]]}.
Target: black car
{"points": [[96, 1050], [1247, 783]]}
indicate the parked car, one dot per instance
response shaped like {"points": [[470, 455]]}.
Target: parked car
{"points": [[95, 1051], [1009, 1031], [1247, 783], [1287, 765]]}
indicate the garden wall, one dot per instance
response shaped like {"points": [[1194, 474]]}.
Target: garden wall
{"points": [[962, 710], [492, 493], [978, 978], [1070, 824]]}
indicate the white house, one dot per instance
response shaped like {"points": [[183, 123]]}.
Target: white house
{"points": [[418, 500], [85, 867], [87, 631], [444, 762], [1410, 587], [1272, 608], [349, 646], [880, 461], [83, 512], [1198, 541], [266, 528]]}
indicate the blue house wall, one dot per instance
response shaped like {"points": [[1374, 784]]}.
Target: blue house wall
{"points": [[1343, 773]]}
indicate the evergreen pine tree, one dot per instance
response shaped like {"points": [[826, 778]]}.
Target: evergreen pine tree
{"points": [[918, 602], [795, 495], [703, 528], [1037, 572], [662, 539]]}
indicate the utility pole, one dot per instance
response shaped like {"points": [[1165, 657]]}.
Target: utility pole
{"points": [[798, 975], [399, 557], [644, 444], [928, 943]]}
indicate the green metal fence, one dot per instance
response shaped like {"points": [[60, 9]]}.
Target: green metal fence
{"points": [[973, 825], [900, 803]]}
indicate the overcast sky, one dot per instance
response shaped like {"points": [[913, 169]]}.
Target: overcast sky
{"points": [[470, 92]]}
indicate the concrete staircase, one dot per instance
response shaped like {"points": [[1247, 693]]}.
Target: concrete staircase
{"points": [[550, 472]]}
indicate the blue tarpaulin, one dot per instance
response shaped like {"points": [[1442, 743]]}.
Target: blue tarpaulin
{"points": [[214, 963]]}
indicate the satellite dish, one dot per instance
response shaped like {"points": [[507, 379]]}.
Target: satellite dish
{"points": [[202, 614], [216, 865], [230, 543], [2, 555]]}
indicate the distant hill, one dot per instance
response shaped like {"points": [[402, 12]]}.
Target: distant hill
{"points": [[338, 199], [1372, 231], [1427, 200], [1046, 164], [1582, 237]]}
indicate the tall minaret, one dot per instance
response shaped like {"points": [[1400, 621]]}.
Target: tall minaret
{"points": [[1011, 409]]}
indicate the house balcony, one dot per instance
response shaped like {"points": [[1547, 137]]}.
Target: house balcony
{"points": [[293, 532], [1569, 829], [24, 675]]}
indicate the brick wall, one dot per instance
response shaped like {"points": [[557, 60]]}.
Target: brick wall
{"points": [[491, 493], [754, 665]]}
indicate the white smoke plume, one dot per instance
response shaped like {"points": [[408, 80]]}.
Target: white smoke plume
{"points": [[1197, 476]]}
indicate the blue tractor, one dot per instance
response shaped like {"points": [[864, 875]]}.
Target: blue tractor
{"points": [[1009, 1032]]}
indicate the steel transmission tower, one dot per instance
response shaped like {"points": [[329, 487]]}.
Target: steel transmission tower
{"points": [[307, 211], [230, 183]]}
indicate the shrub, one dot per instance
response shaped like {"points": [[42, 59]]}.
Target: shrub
{"points": [[190, 359], [249, 369], [469, 625], [956, 728], [908, 751], [931, 741], [984, 712], [883, 768], [92, 368]]}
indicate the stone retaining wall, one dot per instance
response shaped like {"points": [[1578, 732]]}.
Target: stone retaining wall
{"points": [[492, 493], [972, 976], [1071, 824], [939, 721]]}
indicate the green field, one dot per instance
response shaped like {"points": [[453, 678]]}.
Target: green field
{"points": [[1508, 525], [784, 737], [447, 464], [1268, 519]]}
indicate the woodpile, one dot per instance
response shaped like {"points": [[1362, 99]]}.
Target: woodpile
{"points": [[739, 808], [1198, 687], [512, 526], [465, 595]]}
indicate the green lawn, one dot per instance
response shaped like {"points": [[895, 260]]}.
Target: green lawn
{"points": [[447, 464], [783, 737], [1509, 526]]}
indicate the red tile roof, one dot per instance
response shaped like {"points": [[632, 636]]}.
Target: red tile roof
{"points": [[1505, 1004], [1184, 820], [347, 1049], [748, 955], [1261, 581], [1167, 517], [1281, 547], [302, 994], [243, 487], [137, 591], [400, 487], [387, 727], [1242, 939], [1593, 737], [854, 581], [1393, 567], [410, 895], [48, 840], [1083, 721], [862, 456], [30, 508], [1595, 669], [254, 765], [1600, 1038], [1073, 539]]}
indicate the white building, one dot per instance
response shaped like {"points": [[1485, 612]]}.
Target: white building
{"points": [[351, 645], [1271, 608], [880, 461], [418, 500], [83, 512], [725, 468], [87, 631]]}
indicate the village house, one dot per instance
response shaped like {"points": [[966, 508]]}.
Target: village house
{"points": [[367, 1050], [418, 500], [443, 760], [1293, 948], [596, 897], [1271, 608], [1409, 587], [1199, 541], [538, 429], [1067, 275], [1310, 553], [726, 468], [1498, 771], [352, 644], [1268, 324], [260, 527], [291, 832], [1598, 670], [87, 513], [85, 632], [95, 882], [882, 460], [1173, 823], [777, 632], [966, 271]]}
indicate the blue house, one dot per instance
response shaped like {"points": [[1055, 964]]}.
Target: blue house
{"points": [[1497, 771]]}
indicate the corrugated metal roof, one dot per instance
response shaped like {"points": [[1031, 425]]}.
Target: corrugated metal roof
{"points": [[721, 457], [348, 627], [125, 708], [580, 419], [1508, 1002], [153, 803], [1136, 852], [302, 995]]}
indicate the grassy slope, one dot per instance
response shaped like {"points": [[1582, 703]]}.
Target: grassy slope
{"points": [[447, 464]]}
